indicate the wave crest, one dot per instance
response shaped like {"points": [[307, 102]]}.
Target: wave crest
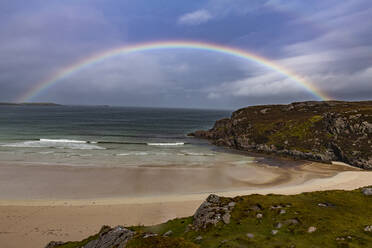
{"points": [[56, 143], [166, 144]]}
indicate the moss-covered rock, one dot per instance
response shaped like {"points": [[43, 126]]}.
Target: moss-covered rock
{"points": [[322, 131]]}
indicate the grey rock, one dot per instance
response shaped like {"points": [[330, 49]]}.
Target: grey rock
{"points": [[274, 232], [367, 191], [212, 198], [282, 211], [250, 235], [276, 207], [292, 222], [325, 204], [368, 228], [113, 237], [259, 216], [278, 225], [53, 244], [311, 229], [199, 238], [368, 126], [226, 218], [265, 110], [148, 235], [108, 237], [169, 233], [231, 204], [256, 207], [212, 211]]}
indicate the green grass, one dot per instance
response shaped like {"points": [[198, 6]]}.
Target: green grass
{"points": [[350, 212]]}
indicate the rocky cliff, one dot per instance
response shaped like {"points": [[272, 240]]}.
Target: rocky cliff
{"points": [[322, 131]]}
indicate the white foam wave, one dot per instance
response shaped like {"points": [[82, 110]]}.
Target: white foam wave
{"points": [[55, 143], [196, 154], [133, 154], [166, 144], [50, 152], [64, 141]]}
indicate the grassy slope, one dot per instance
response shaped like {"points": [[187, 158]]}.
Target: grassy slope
{"points": [[350, 213]]}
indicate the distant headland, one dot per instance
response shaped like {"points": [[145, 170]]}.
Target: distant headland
{"points": [[29, 104]]}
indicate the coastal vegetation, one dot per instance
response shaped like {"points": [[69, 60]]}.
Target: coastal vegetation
{"points": [[317, 219]]}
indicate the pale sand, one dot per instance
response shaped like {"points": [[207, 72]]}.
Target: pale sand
{"points": [[66, 216]]}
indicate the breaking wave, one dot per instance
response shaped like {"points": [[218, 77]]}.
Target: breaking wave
{"points": [[166, 144], [57, 143]]}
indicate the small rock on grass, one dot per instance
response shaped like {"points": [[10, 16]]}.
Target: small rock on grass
{"points": [[278, 225], [367, 191], [226, 218], [311, 229], [274, 232], [250, 235], [199, 238], [53, 244], [169, 233], [259, 216], [232, 204], [368, 228], [282, 211], [325, 204]]}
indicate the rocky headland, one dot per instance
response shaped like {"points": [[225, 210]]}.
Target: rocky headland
{"points": [[321, 131]]}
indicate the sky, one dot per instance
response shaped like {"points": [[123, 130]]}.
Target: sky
{"points": [[326, 42]]}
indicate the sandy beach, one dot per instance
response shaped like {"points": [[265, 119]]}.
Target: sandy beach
{"points": [[43, 203]]}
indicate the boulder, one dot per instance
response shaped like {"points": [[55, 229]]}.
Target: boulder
{"points": [[108, 237], [169, 233], [250, 235], [113, 237], [212, 211], [367, 191], [53, 244], [368, 228]]}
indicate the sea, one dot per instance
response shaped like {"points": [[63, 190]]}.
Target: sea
{"points": [[104, 136]]}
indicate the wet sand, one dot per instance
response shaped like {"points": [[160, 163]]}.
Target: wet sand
{"points": [[43, 203]]}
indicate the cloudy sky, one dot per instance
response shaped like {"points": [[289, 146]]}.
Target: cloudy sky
{"points": [[326, 42]]}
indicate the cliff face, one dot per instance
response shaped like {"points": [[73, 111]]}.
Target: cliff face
{"points": [[323, 131]]}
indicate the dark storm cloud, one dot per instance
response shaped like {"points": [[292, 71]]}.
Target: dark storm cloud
{"points": [[326, 42]]}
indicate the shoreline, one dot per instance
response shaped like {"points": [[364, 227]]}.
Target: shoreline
{"points": [[344, 180], [36, 222], [40, 185], [239, 179]]}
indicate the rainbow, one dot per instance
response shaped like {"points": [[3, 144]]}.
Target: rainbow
{"points": [[239, 53]]}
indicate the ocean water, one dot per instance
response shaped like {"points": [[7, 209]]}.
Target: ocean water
{"points": [[110, 137]]}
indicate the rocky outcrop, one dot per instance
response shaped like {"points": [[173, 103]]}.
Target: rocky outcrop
{"points": [[320, 131], [367, 191], [212, 211], [116, 237]]}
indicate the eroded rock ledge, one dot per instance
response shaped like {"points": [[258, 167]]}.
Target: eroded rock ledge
{"points": [[321, 131]]}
